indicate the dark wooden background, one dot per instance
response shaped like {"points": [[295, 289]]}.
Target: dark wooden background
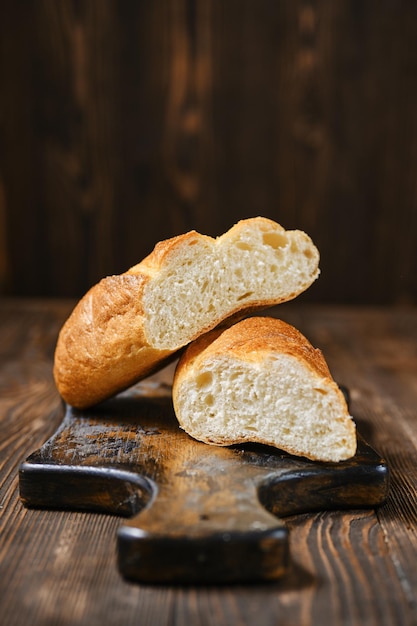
{"points": [[125, 122]]}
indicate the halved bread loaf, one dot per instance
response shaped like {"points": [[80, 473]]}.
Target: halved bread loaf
{"points": [[262, 381], [128, 325]]}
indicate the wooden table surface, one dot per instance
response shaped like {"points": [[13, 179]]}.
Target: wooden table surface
{"points": [[350, 567]]}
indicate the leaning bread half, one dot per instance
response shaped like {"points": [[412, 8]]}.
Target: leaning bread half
{"points": [[262, 381], [128, 325]]}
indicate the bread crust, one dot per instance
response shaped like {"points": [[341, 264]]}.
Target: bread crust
{"points": [[103, 347], [249, 341]]}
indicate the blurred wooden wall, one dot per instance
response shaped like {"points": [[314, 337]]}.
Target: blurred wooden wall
{"points": [[123, 122]]}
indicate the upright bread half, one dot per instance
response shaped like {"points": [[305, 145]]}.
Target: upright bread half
{"points": [[128, 325], [262, 381]]}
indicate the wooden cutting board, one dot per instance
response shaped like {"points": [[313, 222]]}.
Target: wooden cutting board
{"points": [[197, 513]]}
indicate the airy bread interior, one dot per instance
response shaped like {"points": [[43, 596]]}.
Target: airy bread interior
{"points": [[255, 263], [269, 394]]}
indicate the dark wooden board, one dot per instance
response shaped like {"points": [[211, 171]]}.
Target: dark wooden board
{"points": [[196, 513]]}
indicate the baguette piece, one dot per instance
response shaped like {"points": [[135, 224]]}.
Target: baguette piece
{"points": [[129, 325], [262, 381]]}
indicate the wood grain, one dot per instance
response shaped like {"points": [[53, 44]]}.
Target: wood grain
{"points": [[123, 123], [347, 568]]}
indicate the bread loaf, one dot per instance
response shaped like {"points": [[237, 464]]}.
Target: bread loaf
{"points": [[262, 381], [128, 325]]}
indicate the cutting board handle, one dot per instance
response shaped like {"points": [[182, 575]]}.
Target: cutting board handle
{"points": [[188, 533]]}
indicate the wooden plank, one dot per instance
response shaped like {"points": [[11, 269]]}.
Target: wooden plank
{"points": [[126, 123]]}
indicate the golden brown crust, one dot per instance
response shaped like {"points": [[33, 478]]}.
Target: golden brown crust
{"points": [[162, 250], [102, 345], [250, 339]]}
